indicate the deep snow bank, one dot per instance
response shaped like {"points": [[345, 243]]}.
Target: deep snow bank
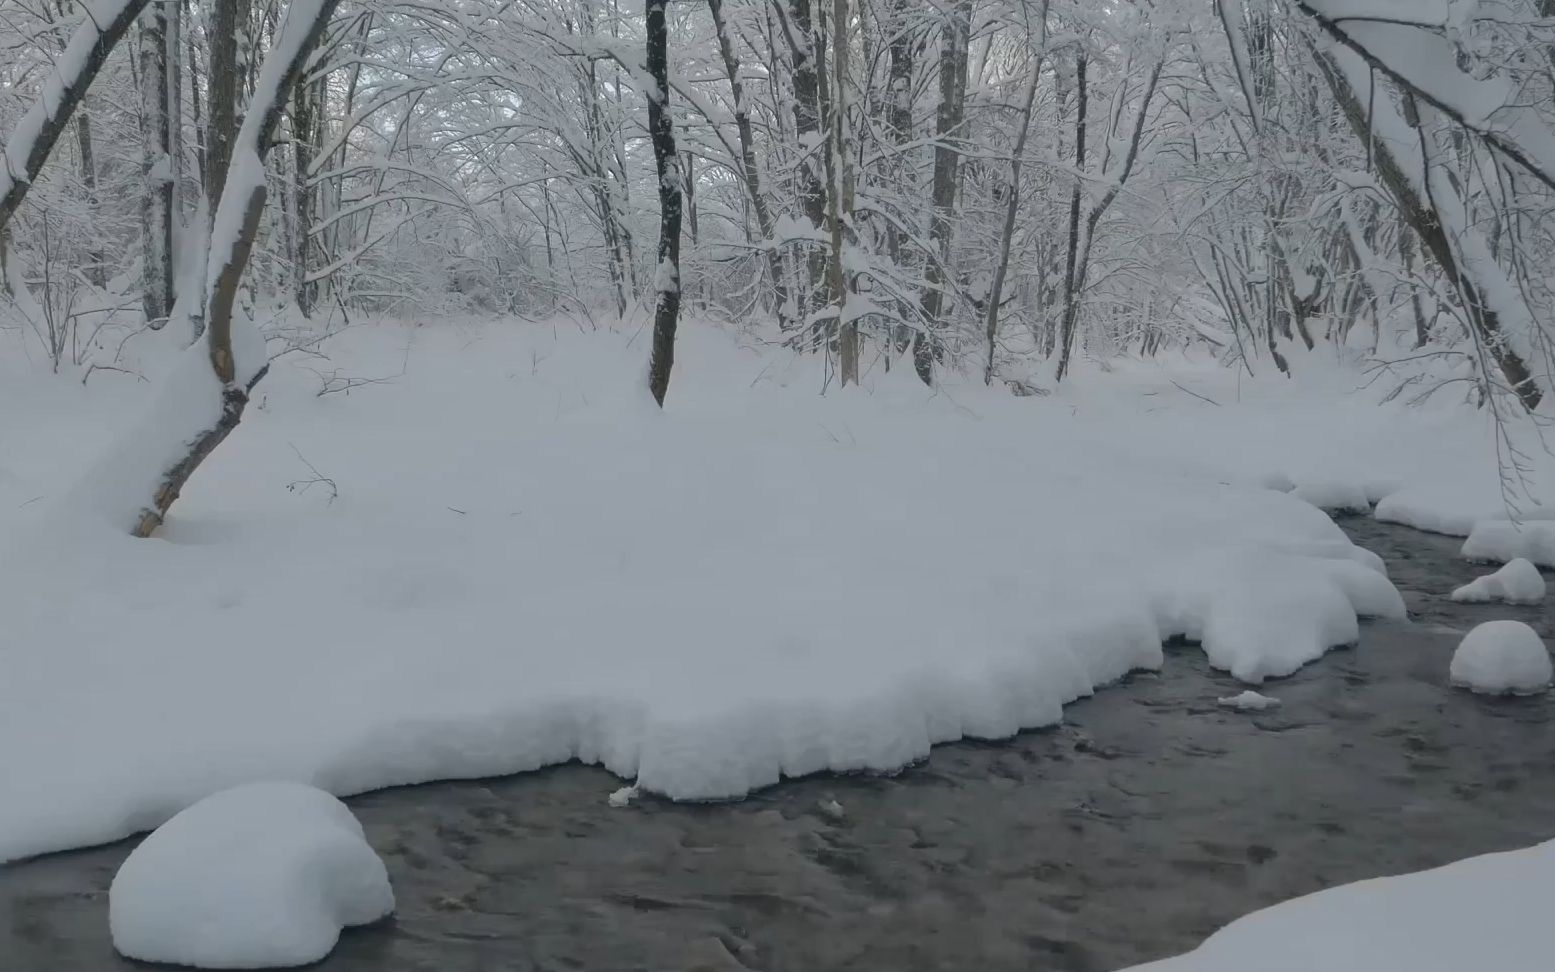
{"points": [[527, 564], [263, 875], [1484, 912]]}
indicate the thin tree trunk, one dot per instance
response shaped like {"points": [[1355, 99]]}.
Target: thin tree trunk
{"points": [[661, 131], [838, 194], [1012, 205], [157, 166], [1071, 285], [955, 35]]}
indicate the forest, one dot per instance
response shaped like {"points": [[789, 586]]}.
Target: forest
{"points": [[734, 394]]}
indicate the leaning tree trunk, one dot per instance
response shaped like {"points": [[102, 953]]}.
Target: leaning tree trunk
{"points": [[236, 223], [750, 170], [1412, 190], [661, 130], [33, 138]]}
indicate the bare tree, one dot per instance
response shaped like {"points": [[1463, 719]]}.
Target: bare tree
{"points": [[661, 130]]}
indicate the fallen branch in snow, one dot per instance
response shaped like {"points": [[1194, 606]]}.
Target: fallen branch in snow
{"points": [[1196, 395]]}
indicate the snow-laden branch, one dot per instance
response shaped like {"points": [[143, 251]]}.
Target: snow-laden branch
{"points": [[104, 24]]}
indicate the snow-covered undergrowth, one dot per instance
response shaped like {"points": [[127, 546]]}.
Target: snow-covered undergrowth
{"points": [[263, 875], [527, 563], [1488, 912], [1502, 658]]}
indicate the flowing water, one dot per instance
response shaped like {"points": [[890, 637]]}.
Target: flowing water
{"points": [[1149, 819]]}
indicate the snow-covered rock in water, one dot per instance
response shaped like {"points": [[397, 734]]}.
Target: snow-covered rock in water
{"points": [[1334, 496], [1502, 540], [1489, 912], [263, 875], [1249, 701], [1500, 658], [1519, 582]]}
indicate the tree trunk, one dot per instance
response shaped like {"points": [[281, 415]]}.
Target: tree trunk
{"points": [[838, 193], [807, 129], [750, 171], [1071, 285], [158, 163], [235, 225], [1012, 205], [228, 18], [661, 130], [955, 35], [1419, 209]]}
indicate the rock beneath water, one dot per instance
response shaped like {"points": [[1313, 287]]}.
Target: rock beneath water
{"points": [[263, 875], [1502, 658], [1519, 582]]}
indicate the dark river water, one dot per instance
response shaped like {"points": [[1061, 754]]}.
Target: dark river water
{"points": [[1148, 820]]}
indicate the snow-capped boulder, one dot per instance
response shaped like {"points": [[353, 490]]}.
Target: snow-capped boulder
{"points": [[1519, 582], [1502, 658], [263, 875]]}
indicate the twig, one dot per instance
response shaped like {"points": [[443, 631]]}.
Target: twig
{"points": [[1197, 395]]}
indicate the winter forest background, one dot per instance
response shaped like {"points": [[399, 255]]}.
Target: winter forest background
{"points": [[992, 187]]}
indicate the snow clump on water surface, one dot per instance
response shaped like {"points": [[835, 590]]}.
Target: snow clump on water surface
{"points": [[1519, 582], [263, 875], [1502, 658]]}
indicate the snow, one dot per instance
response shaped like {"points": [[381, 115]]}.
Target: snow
{"points": [[623, 797], [1500, 658], [1519, 582], [1496, 540], [1487, 912], [263, 875], [527, 563], [1335, 496], [1249, 701]]}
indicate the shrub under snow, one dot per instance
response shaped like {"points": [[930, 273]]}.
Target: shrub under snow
{"points": [[1500, 658], [263, 875]]}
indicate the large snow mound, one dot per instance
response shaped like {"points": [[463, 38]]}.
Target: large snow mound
{"points": [[1497, 540], [1519, 582], [528, 563], [1489, 912], [1500, 658], [263, 875]]}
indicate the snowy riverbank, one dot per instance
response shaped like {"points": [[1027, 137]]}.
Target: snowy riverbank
{"points": [[527, 564]]}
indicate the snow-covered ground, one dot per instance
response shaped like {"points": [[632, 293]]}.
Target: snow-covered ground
{"points": [[263, 875], [516, 560], [1486, 912]]}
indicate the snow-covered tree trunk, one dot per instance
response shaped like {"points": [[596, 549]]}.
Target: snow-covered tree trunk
{"points": [[661, 131], [800, 28], [28, 147], [1072, 249], [235, 350]]}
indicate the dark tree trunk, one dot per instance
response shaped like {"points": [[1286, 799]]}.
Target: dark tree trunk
{"points": [[954, 37], [661, 130], [158, 197], [1071, 285]]}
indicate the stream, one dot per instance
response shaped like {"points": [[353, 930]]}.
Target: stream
{"points": [[1149, 819]]}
